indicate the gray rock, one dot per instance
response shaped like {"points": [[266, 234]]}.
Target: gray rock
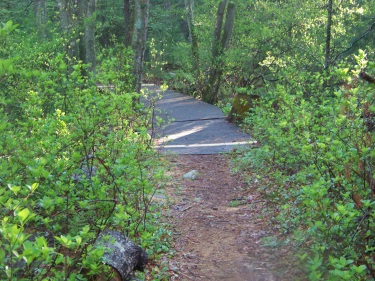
{"points": [[193, 174]]}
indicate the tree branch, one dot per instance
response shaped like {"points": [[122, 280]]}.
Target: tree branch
{"points": [[364, 76], [28, 5], [371, 28]]}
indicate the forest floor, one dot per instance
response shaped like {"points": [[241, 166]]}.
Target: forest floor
{"points": [[221, 229]]}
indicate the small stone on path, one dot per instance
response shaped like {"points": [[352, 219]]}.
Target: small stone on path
{"points": [[193, 174]]}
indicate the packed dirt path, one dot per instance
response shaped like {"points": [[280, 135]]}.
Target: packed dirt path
{"points": [[219, 222], [219, 225]]}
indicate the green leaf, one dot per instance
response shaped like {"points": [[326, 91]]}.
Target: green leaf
{"points": [[24, 215], [78, 240], [14, 188], [33, 187], [359, 269], [85, 229], [2, 191], [59, 259], [2, 254], [65, 241]]}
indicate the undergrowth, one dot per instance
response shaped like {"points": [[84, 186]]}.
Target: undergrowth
{"points": [[75, 159], [317, 147]]}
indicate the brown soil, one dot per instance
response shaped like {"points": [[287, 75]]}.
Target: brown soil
{"points": [[220, 226]]}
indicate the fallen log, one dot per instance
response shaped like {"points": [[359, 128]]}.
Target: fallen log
{"points": [[121, 254]]}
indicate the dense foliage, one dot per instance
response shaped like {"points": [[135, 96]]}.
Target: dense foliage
{"points": [[75, 159], [320, 153]]}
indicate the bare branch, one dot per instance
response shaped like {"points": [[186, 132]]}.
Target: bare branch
{"points": [[367, 32]]}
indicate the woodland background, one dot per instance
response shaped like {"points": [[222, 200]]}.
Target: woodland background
{"points": [[75, 155]]}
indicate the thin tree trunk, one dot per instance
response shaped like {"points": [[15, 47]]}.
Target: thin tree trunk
{"points": [[81, 13], [328, 37], [90, 36], [189, 16], [86, 26], [66, 17], [128, 22], [227, 34], [193, 38], [216, 47], [137, 26], [40, 13], [80, 17], [228, 27], [141, 11], [220, 44]]}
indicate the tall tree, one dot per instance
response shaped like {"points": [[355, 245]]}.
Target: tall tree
{"points": [[222, 35], [218, 30], [89, 34], [328, 36], [66, 11], [128, 21], [193, 37], [136, 21], [40, 13], [79, 17]]}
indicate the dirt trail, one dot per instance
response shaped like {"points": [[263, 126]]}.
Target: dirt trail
{"points": [[219, 225]]}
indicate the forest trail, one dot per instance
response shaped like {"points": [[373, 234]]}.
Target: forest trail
{"points": [[219, 225], [217, 218]]}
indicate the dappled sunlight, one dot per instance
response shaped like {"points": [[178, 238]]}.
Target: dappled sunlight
{"points": [[180, 134], [197, 127], [209, 144]]}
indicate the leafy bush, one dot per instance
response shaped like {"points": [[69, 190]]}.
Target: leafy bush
{"points": [[74, 159], [319, 149], [182, 82]]}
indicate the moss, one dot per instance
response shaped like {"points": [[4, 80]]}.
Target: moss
{"points": [[241, 105]]}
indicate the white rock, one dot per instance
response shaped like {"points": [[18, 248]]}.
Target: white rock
{"points": [[193, 174]]}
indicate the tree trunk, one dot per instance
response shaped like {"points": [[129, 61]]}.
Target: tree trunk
{"points": [[220, 43], [139, 37], [135, 25], [66, 16], [81, 17], [327, 54], [90, 36], [193, 38], [328, 36], [218, 30], [40, 13], [128, 22], [81, 12], [228, 27], [189, 17]]}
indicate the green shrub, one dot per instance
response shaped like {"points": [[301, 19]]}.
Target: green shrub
{"points": [[319, 149], [74, 159]]}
